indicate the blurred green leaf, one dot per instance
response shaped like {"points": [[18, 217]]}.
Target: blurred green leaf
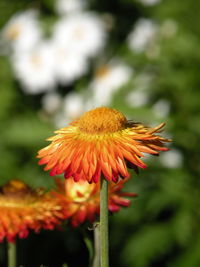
{"points": [[27, 131], [149, 243]]}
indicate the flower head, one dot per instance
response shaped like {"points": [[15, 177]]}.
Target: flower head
{"points": [[101, 142], [72, 108], [108, 80], [35, 69], [66, 7], [149, 2], [84, 33], [70, 64], [143, 35], [22, 31], [51, 102], [23, 209], [82, 202]]}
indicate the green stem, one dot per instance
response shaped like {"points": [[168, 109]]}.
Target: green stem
{"points": [[104, 223], [11, 254], [96, 258]]}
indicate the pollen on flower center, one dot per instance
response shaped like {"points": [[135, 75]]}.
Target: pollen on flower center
{"points": [[102, 120]]}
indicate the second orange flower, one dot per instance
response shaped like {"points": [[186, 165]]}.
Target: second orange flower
{"points": [[81, 201]]}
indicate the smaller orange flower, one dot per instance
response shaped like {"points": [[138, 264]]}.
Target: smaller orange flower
{"points": [[82, 200], [22, 209]]}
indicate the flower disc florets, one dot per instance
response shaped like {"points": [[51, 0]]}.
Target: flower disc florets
{"points": [[100, 142], [102, 120]]}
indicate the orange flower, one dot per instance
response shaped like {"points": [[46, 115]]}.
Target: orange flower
{"points": [[101, 142], [82, 202], [22, 209]]}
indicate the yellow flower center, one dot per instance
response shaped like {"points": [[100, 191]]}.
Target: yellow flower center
{"points": [[35, 60], [79, 33], [102, 120], [15, 187], [13, 32], [79, 192], [102, 72]]}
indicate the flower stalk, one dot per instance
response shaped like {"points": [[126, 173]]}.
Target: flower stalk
{"points": [[96, 258], [11, 254], [104, 248]]}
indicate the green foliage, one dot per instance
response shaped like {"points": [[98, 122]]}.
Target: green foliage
{"points": [[150, 242], [30, 136]]}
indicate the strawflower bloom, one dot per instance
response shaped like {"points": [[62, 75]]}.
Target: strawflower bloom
{"points": [[82, 202], [101, 142], [23, 209]]}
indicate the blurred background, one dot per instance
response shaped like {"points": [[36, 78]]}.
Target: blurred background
{"points": [[61, 58]]}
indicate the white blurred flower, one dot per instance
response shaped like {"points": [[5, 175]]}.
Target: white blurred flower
{"points": [[68, 64], [22, 31], [35, 69], [142, 35], [109, 78], [72, 107], [140, 94], [51, 102], [149, 2], [137, 98], [84, 33], [64, 7], [161, 108], [171, 159]]}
